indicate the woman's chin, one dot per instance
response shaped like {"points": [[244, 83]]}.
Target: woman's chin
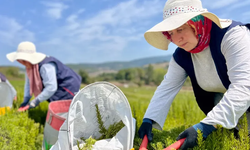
{"points": [[187, 49]]}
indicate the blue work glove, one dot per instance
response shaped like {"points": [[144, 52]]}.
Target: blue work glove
{"points": [[191, 134], [34, 103], [146, 129], [25, 102]]}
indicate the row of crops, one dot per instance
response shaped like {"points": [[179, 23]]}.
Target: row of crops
{"points": [[25, 130]]}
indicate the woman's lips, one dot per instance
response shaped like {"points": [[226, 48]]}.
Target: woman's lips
{"points": [[183, 45]]}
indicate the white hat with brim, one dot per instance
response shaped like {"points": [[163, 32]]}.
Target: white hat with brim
{"points": [[26, 51], [175, 14]]}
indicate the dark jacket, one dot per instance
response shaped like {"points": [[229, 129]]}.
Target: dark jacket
{"points": [[183, 58], [68, 82]]}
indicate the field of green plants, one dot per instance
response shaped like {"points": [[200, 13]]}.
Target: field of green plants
{"points": [[25, 130]]}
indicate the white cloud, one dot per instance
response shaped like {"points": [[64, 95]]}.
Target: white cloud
{"points": [[11, 32], [217, 4], [109, 29], [241, 4], [108, 32], [55, 9], [229, 9], [121, 18], [246, 14], [245, 17], [126, 13]]}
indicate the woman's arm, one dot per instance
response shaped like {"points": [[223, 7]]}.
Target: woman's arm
{"points": [[48, 75], [235, 47], [27, 88], [165, 93]]}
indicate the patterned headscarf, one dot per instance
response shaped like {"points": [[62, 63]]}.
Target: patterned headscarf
{"points": [[202, 27]]}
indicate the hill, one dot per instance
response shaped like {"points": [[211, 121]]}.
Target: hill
{"points": [[118, 65], [12, 72], [97, 68]]}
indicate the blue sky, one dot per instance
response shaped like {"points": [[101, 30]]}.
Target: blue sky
{"points": [[93, 31]]}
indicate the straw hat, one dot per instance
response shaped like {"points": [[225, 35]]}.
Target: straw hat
{"points": [[175, 14], [26, 51]]}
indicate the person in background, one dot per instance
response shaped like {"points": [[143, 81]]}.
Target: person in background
{"points": [[46, 77], [13, 90], [215, 54]]}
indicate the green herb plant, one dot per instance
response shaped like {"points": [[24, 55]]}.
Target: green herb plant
{"points": [[112, 130]]}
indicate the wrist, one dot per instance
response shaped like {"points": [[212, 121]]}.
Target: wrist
{"points": [[26, 99], [35, 102], [206, 129], [147, 120]]}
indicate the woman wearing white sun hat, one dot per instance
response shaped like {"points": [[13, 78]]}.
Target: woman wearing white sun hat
{"points": [[46, 77], [215, 54]]}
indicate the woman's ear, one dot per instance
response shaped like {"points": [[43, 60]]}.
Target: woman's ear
{"points": [[194, 30]]}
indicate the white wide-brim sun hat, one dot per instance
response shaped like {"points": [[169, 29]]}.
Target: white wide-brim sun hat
{"points": [[26, 51], [175, 14]]}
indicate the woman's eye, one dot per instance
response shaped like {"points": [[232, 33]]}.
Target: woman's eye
{"points": [[179, 30]]}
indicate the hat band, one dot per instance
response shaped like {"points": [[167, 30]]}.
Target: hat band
{"points": [[182, 9], [25, 51]]}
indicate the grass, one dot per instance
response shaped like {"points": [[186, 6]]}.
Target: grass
{"points": [[183, 113]]}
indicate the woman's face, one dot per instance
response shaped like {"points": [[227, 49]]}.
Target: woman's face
{"points": [[25, 63], [184, 37]]}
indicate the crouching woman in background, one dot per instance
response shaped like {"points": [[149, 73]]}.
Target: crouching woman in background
{"points": [[46, 77]]}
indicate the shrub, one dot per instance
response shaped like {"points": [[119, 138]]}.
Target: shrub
{"points": [[17, 131], [24, 130]]}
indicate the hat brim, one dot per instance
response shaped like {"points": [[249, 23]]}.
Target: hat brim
{"points": [[34, 58], [155, 37]]}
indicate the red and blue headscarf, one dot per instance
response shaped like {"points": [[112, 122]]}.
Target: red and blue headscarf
{"points": [[202, 27]]}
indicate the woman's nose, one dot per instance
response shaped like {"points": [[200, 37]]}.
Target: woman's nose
{"points": [[177, 38]]}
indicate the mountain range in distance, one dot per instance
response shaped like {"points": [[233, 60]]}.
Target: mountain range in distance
{"points": [[95, 69], [108, 67]]}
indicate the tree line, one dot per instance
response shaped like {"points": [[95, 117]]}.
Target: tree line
{"points": [[140, 76]]}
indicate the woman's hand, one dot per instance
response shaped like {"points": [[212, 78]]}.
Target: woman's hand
{"points": [[34, 103], [146, 129], [191, 134], [25, 102]]}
